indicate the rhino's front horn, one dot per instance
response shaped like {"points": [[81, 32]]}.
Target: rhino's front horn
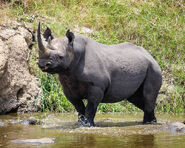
{"points": [[40, 44]]}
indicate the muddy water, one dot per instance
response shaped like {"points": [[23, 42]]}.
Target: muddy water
{"points": [[111, 131]]}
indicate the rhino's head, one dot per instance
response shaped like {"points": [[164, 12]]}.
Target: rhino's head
{"points": [[58, 54]]}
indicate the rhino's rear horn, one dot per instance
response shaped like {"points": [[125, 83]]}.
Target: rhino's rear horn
{"points": [[40, 44]]}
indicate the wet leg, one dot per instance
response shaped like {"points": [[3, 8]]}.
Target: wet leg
{"points": [[95, 95], [80, 108]]}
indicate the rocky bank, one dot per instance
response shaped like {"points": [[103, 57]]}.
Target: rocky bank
{"points": [[19, 89]]}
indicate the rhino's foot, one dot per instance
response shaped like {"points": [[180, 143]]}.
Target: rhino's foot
{"points": [[154, 121], [149, 118], [87, 123], [81, 118], [82, 121]]}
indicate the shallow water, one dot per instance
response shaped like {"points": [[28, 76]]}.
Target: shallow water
{"points": [[112, 130]]}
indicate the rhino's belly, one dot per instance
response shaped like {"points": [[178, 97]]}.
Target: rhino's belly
{"points": [[123, 88]]}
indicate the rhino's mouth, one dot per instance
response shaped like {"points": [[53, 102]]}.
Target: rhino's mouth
{"points": [[48, 70], [44, 68], [52, 70]]}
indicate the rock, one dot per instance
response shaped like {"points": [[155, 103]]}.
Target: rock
{"points": [[4, 57], [2, 124], [7, 33], [175, 127], [31, 121], [34, 141], [12, 121], [19, 89]]}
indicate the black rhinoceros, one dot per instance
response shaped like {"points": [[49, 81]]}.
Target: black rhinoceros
{"points": [[101, 73]]}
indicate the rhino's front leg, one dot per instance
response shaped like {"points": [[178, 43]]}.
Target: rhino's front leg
{"points": [[95, 96], [80, 108]]}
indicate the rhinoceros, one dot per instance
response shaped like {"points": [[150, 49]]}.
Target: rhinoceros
{"points": [[100, 73]]}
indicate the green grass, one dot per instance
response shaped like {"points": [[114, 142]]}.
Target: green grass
{"points": [[156, 25]]}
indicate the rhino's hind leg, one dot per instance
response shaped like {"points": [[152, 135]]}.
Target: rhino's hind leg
{"points": [[149, 104], [145, 97], [151, 88], [140, 101]]}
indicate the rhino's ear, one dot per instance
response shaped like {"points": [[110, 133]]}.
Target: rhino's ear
{"points": [[70, 37], [48, 34]]}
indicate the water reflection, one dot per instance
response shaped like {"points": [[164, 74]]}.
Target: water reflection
{"points": [[143, 140], [91, 141]]}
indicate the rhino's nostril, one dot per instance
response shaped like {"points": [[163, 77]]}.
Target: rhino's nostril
{"points": [[48, 64]]}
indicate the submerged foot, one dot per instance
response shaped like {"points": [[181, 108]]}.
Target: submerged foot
{"points": [[154, 121], [82, 121]]}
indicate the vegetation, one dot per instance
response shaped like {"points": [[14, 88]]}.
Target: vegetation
{"points": [[157, 25]]}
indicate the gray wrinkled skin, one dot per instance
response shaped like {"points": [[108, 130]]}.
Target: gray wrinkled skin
{"points": [[101, 73]]}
